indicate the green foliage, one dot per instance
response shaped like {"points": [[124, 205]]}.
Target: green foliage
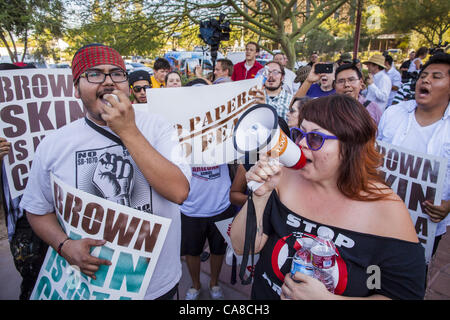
{"points": [[430, 18], [30, 20], [123, 25]]}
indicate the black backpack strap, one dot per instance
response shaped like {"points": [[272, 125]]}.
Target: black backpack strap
{"points": [[249, 243], [366, 103], [104, 132]]}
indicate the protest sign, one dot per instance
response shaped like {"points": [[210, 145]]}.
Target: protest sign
{"points": [[224, 227], [415, 177], [204, 117], [134, 241], [33, 103]]}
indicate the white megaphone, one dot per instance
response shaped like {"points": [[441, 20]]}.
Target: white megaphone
{"points": [[258, 130]]}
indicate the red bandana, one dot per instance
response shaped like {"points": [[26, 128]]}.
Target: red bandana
{"points": [[92, 56]]}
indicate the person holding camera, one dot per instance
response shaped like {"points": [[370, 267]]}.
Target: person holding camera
{"points": [[319, 82]]}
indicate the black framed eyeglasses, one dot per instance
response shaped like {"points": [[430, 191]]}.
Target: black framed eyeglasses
{"points": [[138, 89], [314, 139], [95, 76]]}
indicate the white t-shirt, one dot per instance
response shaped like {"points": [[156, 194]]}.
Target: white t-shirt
{"points": [[210, 192], [288, 84], [396, 80], [379, 90], [412, 65], [419, 136], [73, 153]]}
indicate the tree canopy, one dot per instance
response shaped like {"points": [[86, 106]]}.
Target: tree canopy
{"points": [[21, 20]]}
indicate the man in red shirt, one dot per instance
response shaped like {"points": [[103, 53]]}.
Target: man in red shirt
{"points": [[248, 68]]}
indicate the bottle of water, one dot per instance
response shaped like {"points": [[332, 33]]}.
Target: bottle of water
{"points": [[323, 256], [261, 75], [301, 262]]}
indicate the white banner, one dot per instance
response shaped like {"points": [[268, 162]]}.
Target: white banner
{"points": [[415, 177], [133, 243], [204, 117], [33, 103]]}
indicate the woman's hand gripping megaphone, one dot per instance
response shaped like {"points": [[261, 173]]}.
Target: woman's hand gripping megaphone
{"points": [[264, 176]]}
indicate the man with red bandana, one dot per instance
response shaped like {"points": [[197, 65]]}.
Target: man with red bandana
{"points": [[137, 164]]}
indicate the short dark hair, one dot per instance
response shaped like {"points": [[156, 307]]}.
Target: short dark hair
{"points": [[421, 51], [226, 64], [196, 82], [137, 76], [438, 58], [388, 59], [255, 44], [348, 66], [161, 63]]}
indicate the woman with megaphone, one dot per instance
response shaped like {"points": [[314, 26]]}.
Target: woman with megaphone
{"points": [[339, 194]]}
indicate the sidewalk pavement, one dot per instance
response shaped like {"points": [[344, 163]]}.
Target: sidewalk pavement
{"points": [[438, 278], [438, 274]]}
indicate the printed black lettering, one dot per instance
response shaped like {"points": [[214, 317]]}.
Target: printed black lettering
{"points": [[60, 114], [38, 116], [418, 196], [62, 84], [20, 148], [6, 92], [392, 160], [408, 166], [22, 86], [402, 188], [75, 111], [19, 177], [37, 140], [39, 83], [422, 226], [429, 173], [7, 114]]}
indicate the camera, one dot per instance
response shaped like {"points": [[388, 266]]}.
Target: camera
{"points": [[213, 31], [438, 48], [323, 68]]}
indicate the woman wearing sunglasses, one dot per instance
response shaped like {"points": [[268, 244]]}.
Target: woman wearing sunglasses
{"points": [[338, 191]]}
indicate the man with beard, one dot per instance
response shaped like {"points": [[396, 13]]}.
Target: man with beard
{"points": [[423, 125], [136, 164], [317, 84], [273, 93]]}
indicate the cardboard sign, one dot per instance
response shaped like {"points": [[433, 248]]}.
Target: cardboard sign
{"points": [[134, 241], [415, 177]]}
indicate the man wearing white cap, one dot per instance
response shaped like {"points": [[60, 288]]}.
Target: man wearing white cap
{"points": [[378, 83]]}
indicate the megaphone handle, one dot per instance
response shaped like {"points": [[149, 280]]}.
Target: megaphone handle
{"points": [[253, 185]]}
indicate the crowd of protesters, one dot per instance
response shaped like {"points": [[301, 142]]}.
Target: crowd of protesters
{"points": [[338, 112]]}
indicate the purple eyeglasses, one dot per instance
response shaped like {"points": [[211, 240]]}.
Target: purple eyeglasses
{"points": [[314, 139]]}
